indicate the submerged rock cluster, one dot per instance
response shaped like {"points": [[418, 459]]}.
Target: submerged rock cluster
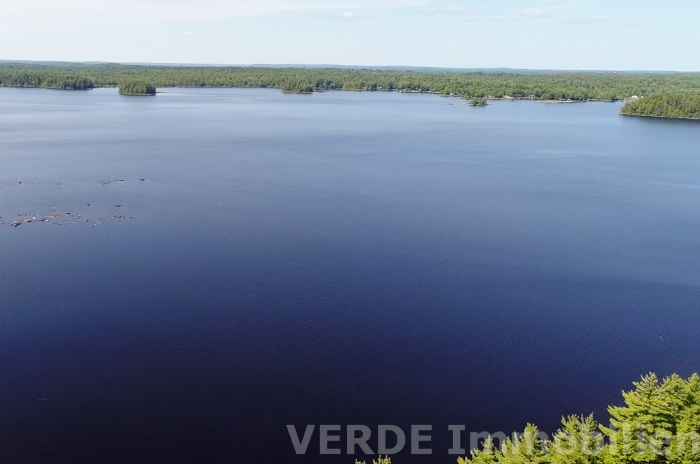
{"points": [[67, 218], [59, 219]]}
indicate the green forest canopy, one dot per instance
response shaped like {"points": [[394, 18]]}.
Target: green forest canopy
{"points": [[536, 85], [658, 424], [684, 105]]}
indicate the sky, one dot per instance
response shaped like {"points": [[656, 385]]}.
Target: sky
{"points": [[658, 35]]}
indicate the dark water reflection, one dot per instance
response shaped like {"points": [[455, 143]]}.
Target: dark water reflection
{"points": [[341, 258]]}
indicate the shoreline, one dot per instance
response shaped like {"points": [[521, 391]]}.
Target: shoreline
{"points": [[680, 118], [506, 98]]}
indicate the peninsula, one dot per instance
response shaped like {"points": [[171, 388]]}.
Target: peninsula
{"points": [[675, 105]]}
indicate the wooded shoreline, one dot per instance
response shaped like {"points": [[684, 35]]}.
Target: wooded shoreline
{"points": [[662, 95], [542, 86]]}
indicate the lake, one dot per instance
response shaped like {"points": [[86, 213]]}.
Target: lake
{"points": [[237, 260]]}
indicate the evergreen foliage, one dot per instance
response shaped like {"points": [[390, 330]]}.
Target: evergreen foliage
{"points": [[379, 460], [534, 85], [525, 448], [478, 102], [136, 87], [684, 105], [659, 418], [577, 442], [659, 424]]}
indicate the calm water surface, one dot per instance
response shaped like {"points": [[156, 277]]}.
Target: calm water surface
{"points": [[341, 258]]}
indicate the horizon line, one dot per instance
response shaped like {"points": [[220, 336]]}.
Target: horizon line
{"points": [[346, 66]]}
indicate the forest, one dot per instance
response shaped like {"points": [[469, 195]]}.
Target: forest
{"points": [[659, 423], [680, 105], [577, 86]]}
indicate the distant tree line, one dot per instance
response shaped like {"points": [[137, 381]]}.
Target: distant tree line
{"points": [[24, 76], [583, 86], [684, 105]]}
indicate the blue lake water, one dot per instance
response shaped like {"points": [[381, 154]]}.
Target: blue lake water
{"points": [[339, 258]]}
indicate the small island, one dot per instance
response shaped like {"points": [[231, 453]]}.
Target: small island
{"points": [[478, 102], [136, 87], [674, 105]]}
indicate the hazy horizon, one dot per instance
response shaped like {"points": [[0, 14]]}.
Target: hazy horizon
{"points": [[637, 35], [349, 66]]}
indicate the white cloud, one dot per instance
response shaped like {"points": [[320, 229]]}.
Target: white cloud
{"points": [[584, 19], [461, 8], [456, 9], [352, 15], [67, 14], [202, 9], [561, 12], [534, 12]]}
